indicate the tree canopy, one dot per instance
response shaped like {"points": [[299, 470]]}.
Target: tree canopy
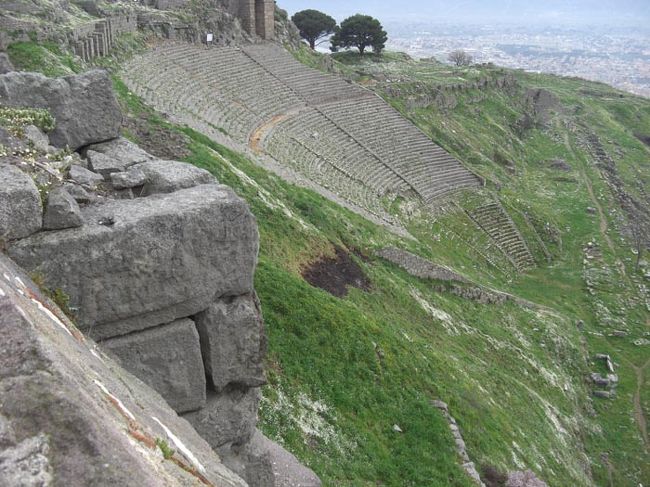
{"points": [[313, 25], [360, 31], [460, 58]]}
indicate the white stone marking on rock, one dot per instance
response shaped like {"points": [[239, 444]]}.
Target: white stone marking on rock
{"points": [[6, 276], [120, 404], [95, 354], [2, 293], [50, 315], [179, 444], [20, 283]]}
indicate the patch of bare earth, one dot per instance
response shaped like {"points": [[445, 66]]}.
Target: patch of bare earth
{"points": [[157, 140], [335, 274]]}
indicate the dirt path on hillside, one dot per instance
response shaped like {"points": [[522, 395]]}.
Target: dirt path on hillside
{"points": [[639, 415], [255, 140], [602, 224], [602, 219]]}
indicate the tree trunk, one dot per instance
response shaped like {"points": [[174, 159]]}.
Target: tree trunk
{"points": [[312, 44], [361, 49]]}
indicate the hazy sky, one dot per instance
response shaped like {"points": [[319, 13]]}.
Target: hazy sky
{"points": [[633, 12]]}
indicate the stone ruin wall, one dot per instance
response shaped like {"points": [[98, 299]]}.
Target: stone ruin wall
{"points": [[258, 17], [88, 40], [96, 39]]}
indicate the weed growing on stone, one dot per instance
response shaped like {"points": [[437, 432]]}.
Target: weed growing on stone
{"points": [[16, 119], [166, 450], [57, 295]]}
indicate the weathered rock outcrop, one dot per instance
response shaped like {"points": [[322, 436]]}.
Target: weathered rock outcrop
{"points": [[417, 266], [229, 416], [84, 105], [159, 267], [168, 358], [62, 211], [265, 463], [70, 415], [233, 341], [5, 64], [20, 204], [121, 151], [162, 258]]}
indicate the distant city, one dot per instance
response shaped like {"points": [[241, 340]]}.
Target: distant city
{"points": [[617, 56]]}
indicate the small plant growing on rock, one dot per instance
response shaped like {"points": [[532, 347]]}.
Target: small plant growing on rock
{"points": [[16, 119], [166, 450], [58, 295]]}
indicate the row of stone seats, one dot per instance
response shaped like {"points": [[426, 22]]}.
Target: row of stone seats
{"points": [[350, 128], [494, 220], [405, 148], [240, 98], [289, 151], [327, 174], [312, 85], [323, 137], [234, 119]]}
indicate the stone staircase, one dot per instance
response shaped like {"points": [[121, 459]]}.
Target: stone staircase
{"points": [[496, 222]]}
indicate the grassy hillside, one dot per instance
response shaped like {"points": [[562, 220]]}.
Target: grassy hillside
{"points": [[344, 371]]}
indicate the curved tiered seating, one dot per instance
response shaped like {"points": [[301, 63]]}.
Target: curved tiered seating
{"points": [[336, 133], [494, 220], [323, 138], [221, 86], [427, 167]]}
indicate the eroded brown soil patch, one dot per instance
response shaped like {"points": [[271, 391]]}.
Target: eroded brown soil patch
{"points": [[335, 274], [157, 140]]}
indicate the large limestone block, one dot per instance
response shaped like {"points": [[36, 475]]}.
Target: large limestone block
{"points": [[70, 416], [152, 261], [168, 176], [229, 416], [5, 64], [264, 463], [20, 204], [62, 211], [233, 341], [167, 358], [84, 105], [123, 152]]}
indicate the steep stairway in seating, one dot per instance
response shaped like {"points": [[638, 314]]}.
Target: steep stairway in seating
{"points": [[496, 222]]}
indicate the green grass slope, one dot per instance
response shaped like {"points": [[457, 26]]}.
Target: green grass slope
{"points": [[344, 371]]}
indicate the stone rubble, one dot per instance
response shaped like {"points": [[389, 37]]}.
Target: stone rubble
{"points": [[468, 465], [84, 106], [62, 211], [20, 204]]}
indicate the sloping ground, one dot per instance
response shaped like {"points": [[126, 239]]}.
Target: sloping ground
{"points": [[353, 380], [338, 134], [345, 371], [569, 197]]}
